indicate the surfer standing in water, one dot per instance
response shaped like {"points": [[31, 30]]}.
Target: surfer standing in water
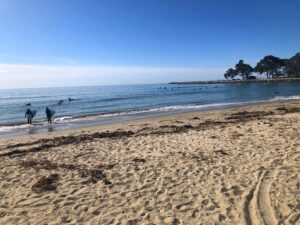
{"points": [[48, 114], [29, 116]]}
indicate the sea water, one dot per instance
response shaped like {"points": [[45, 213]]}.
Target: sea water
{"points": [[107, 104]]}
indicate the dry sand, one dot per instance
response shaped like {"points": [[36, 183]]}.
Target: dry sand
{"points": [[234, 166]]}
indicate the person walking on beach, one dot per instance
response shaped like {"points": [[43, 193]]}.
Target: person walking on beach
{"points": [[29, 116], [48, 114]]}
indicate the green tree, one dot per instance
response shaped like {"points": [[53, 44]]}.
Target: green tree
{"points": [[230, 73], [271, 66], [243, 70], [293, 66]]}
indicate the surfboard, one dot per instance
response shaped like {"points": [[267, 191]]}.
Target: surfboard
{"points": [[29, 117], [33, 113], [52, 112]]}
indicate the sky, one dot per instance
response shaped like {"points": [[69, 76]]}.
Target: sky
{"points": [[105, 42]]}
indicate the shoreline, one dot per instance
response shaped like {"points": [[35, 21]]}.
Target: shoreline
{"points": [[53, 128], [219, 166], [146, 119]]}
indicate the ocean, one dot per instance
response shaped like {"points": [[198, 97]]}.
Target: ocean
{"points": [[108, 104]]}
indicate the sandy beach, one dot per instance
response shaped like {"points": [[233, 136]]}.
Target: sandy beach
{"points": [[232, 166]]}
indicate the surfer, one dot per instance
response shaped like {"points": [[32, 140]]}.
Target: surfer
{"points": [[29, 116], [71, 99], [48, 114], [28, 104], [60, 102]]}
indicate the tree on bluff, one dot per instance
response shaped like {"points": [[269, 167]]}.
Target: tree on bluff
{"points": [[243, 70], [230, 73], [293, 66], [271, 66]]}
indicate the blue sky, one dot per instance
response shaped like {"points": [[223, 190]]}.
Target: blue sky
{"points": [[79, 42]]}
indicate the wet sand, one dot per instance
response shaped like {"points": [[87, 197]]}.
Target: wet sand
{"points": [[232, 166]]}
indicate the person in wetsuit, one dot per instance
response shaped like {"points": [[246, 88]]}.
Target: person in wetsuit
{"points": [[29, 116], [48, 114]]}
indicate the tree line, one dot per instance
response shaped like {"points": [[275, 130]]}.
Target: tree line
{"points": [[270, 67]]}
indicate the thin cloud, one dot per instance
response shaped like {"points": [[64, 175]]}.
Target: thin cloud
{"points": [[20, 75]]}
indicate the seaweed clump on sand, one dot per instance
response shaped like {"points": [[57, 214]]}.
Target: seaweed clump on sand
{"points": [[288, 110], [46, 183], [139, 160], [245, 115], [46, 144], [94, 174]]}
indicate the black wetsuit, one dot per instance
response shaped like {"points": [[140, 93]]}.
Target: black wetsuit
{"points": [[48, 113], [29, 116]]}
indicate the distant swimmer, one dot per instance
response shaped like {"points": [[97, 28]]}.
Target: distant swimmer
{"points": [[276, 93], [48, 114], [28, 104], [29, 116], [60, 102], [71, 99]]}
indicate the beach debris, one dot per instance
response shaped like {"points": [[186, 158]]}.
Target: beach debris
{"points": [[221, 151], [46, 183], [281, 108], [107, 166], [199, 157], [168, 126], [94, 174], [38, 165], [172, 129], [235, 135], [288, 110], [244, 115], [47, 143], [139, 160]]}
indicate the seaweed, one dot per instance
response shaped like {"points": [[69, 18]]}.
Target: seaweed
{"points": [[46, 183], [95, 174]]}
